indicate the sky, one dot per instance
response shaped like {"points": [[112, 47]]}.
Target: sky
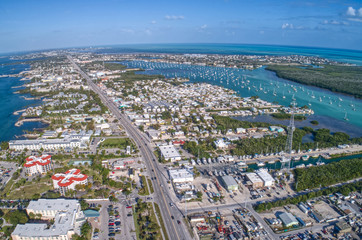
{"points": [[33, 25]]}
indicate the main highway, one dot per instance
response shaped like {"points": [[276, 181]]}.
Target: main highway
{"points": [[169, 214]]}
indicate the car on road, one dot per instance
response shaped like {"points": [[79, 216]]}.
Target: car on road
{"points": [[111, 235], [178, 221], [172, 217], [128, 206], [171, 204]]}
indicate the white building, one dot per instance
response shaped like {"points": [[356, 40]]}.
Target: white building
{"points": [[220, 143], [38, 165], [181, 175], [68, 180], [267, 179], [45, 144], [170, 153], [67, 215]]}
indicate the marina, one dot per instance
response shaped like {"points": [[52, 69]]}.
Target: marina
{"points": [[263, 84]]}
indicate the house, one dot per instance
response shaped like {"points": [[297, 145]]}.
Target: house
{"points": [[220, 143]]}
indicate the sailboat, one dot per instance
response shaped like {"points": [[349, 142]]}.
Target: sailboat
{"points": [[345, 117]]}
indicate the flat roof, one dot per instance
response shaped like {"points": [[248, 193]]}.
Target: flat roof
{"points": [[59, 204], [253, 178], [64, 220], [169, 151], [265, 176], [229, 180], [180, 173]]}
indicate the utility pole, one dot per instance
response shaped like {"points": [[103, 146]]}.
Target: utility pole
{"points": [[291, 128]]}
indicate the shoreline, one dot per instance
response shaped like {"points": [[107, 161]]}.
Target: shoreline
{"points": [[21, 122]]}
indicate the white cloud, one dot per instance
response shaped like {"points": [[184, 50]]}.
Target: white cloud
{"points": [[334, 22], [351, 11], [261, 32], [355, 19], [173, 17], [291, 26], [153, 22], [203, 26], [354, 14], [287, 26]]}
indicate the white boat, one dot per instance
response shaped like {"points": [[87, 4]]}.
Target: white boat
{"points": [[261, 164], [345, 117]]}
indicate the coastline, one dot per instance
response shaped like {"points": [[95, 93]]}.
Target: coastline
{"points": [[22, 121]]}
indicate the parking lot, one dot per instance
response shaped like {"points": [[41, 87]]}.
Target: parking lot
{"points": [[7, 170]]}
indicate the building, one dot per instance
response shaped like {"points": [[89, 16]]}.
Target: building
{"points": [[44, 144], [240, 130], [68, 180], [67, 216], [121, 164], [288, 219], [220, 143], [230, 183], [342, 227], [181, 175], [276, 129], [38, 165], [170, 153], [255, 180], [72, 140], [267, 179]]}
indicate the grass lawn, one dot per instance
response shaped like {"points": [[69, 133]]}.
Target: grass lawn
{"points": [[144, 190], [137, 227], [150, 185], [121, 143], [29, 189]]}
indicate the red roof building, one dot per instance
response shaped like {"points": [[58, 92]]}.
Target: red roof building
{"points": [[68, 180], [38, 165]]}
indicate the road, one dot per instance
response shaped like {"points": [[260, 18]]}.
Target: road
{"points": [[174, 230]]}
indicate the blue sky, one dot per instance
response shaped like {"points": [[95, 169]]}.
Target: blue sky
{"points": [[31, 25]]}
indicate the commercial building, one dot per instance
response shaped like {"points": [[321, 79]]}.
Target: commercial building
{"points": [[267, 179], [255, 180], [38, 165], [230, 183], [170, 153], [68, 180], [69, 140], [67, 216], [181, 175], [288, 219], [45, 144]]}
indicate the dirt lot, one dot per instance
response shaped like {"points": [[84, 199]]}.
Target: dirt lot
{"points": [[325, 210]]}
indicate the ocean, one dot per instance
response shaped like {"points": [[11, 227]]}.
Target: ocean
{"points": [[342, 55], [11, 102]]}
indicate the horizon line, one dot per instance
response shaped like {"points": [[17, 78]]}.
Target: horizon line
{"points": [[131, 44]]}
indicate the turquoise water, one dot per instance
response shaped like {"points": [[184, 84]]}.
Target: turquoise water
{"points": [[267, 86], [10, 102], [343, 55]]}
